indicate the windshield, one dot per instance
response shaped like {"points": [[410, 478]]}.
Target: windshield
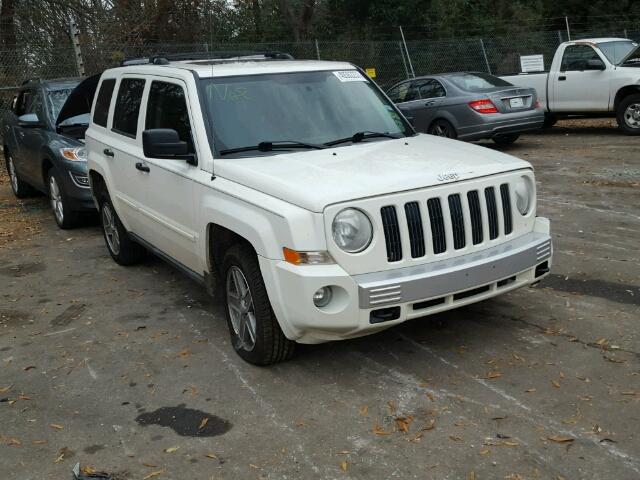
{"points": [[617, 51], [310, 107], [477, 82], [56, 99]]}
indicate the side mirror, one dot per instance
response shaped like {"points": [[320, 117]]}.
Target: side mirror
{"points": [[29, 120], [595, 64], [165, 143]]}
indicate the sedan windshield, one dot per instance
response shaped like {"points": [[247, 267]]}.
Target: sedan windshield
{"points": [[616, 52], [287, 110], [477, 82]]}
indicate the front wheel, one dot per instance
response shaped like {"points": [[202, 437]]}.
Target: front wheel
{"points": [[504, 140], [442, 128], [62, 213], [628, 115], [121, 247], [255, 333]]}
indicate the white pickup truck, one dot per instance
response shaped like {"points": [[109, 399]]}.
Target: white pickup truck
{"points": [[298, 191], [592, 77]]}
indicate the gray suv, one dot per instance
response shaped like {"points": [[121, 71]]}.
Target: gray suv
{"points": [[43, 142]]}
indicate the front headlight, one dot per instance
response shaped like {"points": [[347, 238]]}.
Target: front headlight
{"points": [[78, 154], [524, 194], [352, 230]]}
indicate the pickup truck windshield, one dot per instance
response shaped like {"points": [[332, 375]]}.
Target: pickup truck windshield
{"points": [[303, 107], [616, 52]]}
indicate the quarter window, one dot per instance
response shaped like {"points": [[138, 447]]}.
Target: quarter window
{"points": [[575, 57], [125, 115], [167, 108], [101, 111]]}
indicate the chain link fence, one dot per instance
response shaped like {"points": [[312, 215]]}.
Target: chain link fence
{"points": [[392, 59]]}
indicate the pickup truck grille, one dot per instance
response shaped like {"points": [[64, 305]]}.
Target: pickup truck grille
{"points": [[447, 223]]}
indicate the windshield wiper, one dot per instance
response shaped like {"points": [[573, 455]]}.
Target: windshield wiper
{"points": [[270, 146], [359, 136]]}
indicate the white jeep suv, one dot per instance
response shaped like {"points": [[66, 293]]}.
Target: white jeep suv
{"points": [[300, 192]]}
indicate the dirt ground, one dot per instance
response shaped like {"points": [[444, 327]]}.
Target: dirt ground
{"points": [[130, 371]]}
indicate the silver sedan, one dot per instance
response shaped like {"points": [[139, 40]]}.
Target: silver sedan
{"points": [[468, 106]]}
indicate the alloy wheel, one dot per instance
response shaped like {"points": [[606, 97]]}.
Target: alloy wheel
{"points": [[441, 130], [56, 199], [13, 175], [110, 229], [632, 115], [241, 309]]}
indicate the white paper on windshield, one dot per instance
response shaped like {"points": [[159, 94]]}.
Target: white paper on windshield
{"points": [[349, 76], [531, 63]]}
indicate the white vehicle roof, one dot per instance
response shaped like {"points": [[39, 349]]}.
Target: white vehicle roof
{"points": [[230, 67], [596, 41]]}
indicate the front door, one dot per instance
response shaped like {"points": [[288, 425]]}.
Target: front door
{"points": [[169, 208], [576, 88]]}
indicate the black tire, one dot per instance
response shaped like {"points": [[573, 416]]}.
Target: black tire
{"points": [[504, 140], [64, 216], [549, 120], [21, 189], [269, 343], [628, 114], [123, 250], [442, 128]]}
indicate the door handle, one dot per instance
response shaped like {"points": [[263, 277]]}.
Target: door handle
{"points": [[430, 104], [108, 152], [562, 78], [142, 167]]}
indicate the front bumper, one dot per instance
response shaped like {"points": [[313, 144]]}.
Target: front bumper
{"points": [[367, 303]]}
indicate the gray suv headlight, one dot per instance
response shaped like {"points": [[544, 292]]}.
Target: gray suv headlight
{"points": [[352, 230]]}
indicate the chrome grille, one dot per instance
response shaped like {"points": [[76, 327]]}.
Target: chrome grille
{"points": [[463, 219]]}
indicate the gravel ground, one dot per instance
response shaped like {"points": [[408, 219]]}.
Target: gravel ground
{"points": [[130, 371]]}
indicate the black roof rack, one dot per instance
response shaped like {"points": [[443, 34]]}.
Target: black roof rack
{"points": [[167, 58]]}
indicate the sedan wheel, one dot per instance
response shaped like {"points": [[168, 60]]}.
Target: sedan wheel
{"points": [[241, 309], [56, 200], [442, 128]]}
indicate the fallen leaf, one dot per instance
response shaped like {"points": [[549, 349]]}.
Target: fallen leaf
{"points": [[184, 353], [29, 367], [561, 439], [149, 465], [402, 423], [212, 455], [378, 430], [364, 410], [344, 465], [494, 374], [203, 423], [472, 475], [485, 451], [171, 449], [154, 474], [6, 389], [39, 442], [14, 441], [560, 477], [601, 341], [61, 454], [454, 438], [254, 466], [530, 390], [430, 396], [555, 383], [56, 426], [344, 452]]}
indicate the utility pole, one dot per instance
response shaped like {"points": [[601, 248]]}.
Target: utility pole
{"points": [[413, 74], [486, 59], [75, 41], [566, 20]]}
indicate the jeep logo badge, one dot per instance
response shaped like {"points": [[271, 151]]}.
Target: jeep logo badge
{"points": [[446, 177]]}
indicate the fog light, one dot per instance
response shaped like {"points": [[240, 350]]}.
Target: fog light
{"points": [[322, 297]]}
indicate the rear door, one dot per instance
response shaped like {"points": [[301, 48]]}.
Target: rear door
{"points": [[407, 97], [121, 147], [575, 88], [169, 191], [23, 104], [32, 141]]}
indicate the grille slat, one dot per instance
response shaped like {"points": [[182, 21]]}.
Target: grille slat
{"points": [[506, 208], [437, 225], [457, 221], [391, 233], [416, 233], [492, 212], [476, 216]]}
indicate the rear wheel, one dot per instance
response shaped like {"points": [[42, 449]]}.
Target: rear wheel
{"points": [[442, 128], [504, 140], [121, 247], [255, 333], [64, 216], [20, 188], [628, 115]]}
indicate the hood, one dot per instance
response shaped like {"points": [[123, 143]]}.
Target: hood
{"points": [[80, 100], [633, 55], [318, 178]]}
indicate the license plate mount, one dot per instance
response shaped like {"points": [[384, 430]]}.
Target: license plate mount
{"points": [[517, 102]]}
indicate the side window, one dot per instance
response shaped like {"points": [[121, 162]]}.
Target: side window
{"points": [[125, 115], [412, 92], [576, 56], [36, 105], [432, 89], [101, 112], [394, 94], [167, 108], [23, 103]]}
